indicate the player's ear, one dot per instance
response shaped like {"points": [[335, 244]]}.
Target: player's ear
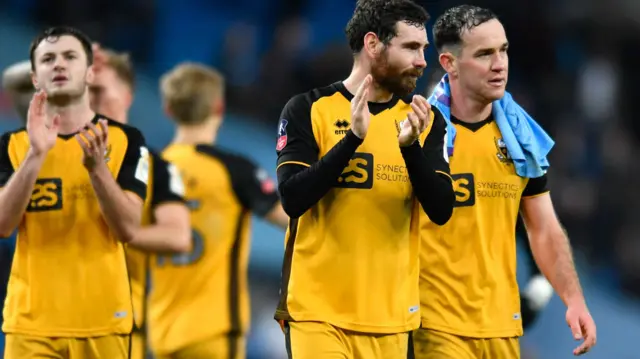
{"points": [[128, 98], [217, 106], [449, 63], [91, 75], [167, 110], [34, 81], [372, 44]]}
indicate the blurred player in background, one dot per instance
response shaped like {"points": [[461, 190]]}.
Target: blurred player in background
{"points": [[165, 220], [199, 301], [349, 173], [78, 176], [469, 294], [16, 82]]}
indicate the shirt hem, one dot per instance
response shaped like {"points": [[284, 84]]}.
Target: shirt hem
{"points": [[502, 333], [355, 327], [66, 333]]}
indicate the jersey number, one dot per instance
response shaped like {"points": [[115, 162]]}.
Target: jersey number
{"points": [[197, 248]]}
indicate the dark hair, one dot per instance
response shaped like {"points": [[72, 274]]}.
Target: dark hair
{"points": [[381, 17], [54, 33], [449, 27]]}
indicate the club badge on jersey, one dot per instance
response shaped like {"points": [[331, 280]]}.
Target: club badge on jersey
{"points": [[282, 134], [266, 184]]}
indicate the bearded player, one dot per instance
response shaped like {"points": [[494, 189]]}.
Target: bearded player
{"points": [[356, 159]]}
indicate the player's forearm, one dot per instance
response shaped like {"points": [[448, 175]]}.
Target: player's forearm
{"points": [[120, 212], [15, 195], [163, 237], [301, 188], [434, 191], [553, 255]]}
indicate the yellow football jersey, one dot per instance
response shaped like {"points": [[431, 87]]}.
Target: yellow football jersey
{"points": [[351, 260], [69, 276], [203, 294], [165, 185], [468, 266]]}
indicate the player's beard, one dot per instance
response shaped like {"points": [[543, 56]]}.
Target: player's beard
{"points": [[394, 79]]}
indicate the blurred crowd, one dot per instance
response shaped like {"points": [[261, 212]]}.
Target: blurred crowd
{"points": [[573, 67]]}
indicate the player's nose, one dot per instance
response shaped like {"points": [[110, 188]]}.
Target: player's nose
{"points": [[420, 62]]}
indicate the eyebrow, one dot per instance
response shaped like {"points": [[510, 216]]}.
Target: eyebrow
{"points": [[67, 52], [416, 44], [489, 50]]}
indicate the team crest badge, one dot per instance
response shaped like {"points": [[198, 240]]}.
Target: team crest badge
{"points": [[107, 154], [282, 135], [502, 154]]}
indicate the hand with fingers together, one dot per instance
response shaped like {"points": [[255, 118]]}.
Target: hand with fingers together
{"points": [[42, 133], [360, 115], [94, 140], [416, 122]]}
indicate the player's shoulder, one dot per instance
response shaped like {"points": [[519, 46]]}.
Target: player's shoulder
{"points": [[132, 134], [6, 136], [155, 157], [303, 102], [232, 160]]}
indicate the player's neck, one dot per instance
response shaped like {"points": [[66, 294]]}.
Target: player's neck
{"points": [[466, 108], [204, 133], [122, 118], [73, 115], [358, 73]]}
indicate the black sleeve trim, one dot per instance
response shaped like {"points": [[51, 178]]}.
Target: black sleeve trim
{"points": [[295, 142], [435, 145], [433, 190], [251, 185], [6, 167], [536, 186], [167, 183], [302, 187], [134, 173]]}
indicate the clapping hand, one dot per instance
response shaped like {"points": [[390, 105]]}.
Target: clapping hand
{"points": [[360, 115], [93, 140], [42, 133], [416, 122]]}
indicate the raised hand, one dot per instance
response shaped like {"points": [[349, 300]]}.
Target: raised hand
{"points": [[94, 141], [582, 327], [416, 122], [360, 115], [42, 132]]}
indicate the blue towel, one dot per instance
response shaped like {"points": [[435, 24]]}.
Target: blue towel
{"points": [[527, 143]]}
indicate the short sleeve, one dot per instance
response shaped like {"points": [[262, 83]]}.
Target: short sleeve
{"points": [[134, 172], [253, 186], [435, 146], [535, 187], [6, 167], [168, 185], [295, 142]]}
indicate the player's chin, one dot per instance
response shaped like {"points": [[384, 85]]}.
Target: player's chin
{"points": [[495, 93], [406, 87]]}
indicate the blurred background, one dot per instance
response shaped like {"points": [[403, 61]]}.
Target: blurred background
{"points": [[573, 67]]}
